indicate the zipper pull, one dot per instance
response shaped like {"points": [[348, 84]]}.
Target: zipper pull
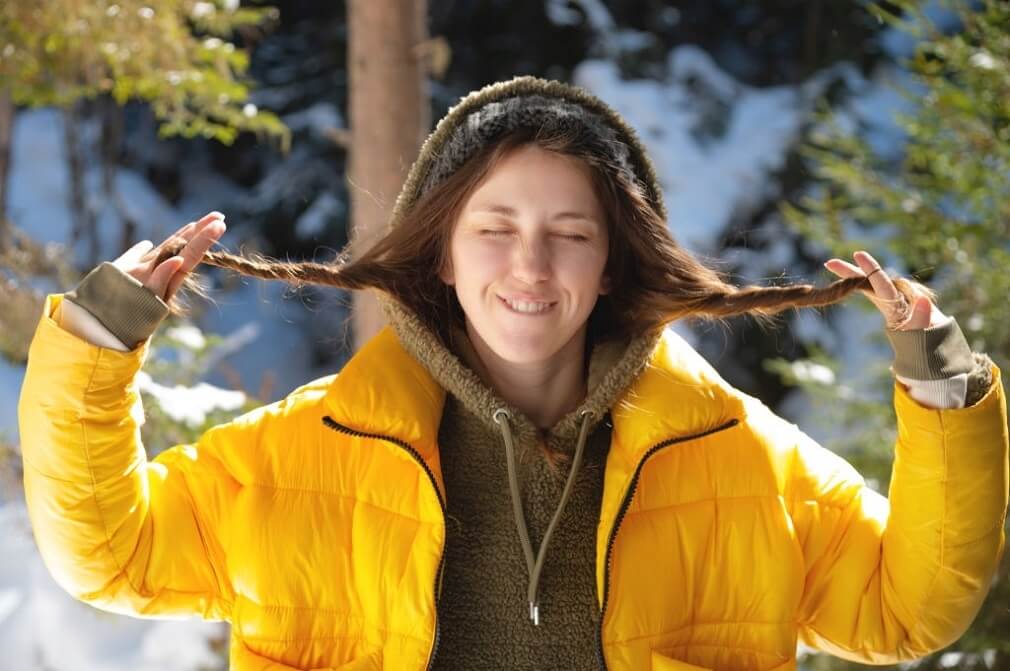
{"points": [[535, 613]]}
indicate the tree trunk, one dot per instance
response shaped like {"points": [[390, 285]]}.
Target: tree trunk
{"points": [[6, 128], [389, 115], [111, 144], [84, 222]]}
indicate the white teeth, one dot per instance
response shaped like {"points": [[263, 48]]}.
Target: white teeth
{"points": [[529, 308]]}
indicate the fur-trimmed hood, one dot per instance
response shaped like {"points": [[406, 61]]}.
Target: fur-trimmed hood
{"points": [[479, 118]]}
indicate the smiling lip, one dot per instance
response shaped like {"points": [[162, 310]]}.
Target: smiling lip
{"points": [[550, 306], [523, 298]]}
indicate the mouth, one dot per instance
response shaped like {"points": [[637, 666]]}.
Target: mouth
{"points": [[528, 308]]}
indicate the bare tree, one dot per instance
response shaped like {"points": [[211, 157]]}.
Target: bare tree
{"points": [[389, 115]]}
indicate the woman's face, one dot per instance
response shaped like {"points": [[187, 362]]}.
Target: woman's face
{"points": [[527, 255]]}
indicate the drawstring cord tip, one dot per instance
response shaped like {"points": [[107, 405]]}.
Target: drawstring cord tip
{"points": [[535, 613]]}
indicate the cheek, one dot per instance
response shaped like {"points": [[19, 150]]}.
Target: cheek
{"points": [[582, 269], [475, 263]]}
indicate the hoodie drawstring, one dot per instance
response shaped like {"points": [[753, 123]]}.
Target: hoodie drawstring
{"points": [[534, 567]]}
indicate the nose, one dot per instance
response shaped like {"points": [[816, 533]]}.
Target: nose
{"points": [[531, 262]]}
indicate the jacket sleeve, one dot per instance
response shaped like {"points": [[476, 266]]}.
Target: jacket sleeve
{"points": [[890, 579], [115, 530]]}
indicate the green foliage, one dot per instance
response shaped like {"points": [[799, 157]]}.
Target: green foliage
{"points": [[943, 208], [946, 203], [20, 304], [173, 54]]}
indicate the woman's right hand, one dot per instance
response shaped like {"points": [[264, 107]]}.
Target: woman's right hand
{"points": [[140, 261]]}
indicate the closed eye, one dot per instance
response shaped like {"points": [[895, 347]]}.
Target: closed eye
{"points": [[501, 232]]}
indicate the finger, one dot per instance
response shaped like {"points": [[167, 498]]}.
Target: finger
{"points": [[919, 317], [882, 285], [843, 268], [173, 241], [846, 270], [178, 270], [207, 234], [162, 276], [195, 251], [174, 284], [211, 215], [194, 226], [133, 255], [187, 232]]}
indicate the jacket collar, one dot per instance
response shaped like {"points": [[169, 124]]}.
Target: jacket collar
{"points": [[386, 390]]}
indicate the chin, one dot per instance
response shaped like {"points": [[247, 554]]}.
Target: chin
{"points": [[531, 346], [517, 342], [524, 352]]}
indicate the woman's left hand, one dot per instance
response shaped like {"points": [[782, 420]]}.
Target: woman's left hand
{"points": [[886, 297]]}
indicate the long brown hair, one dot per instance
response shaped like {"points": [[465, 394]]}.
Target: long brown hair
{"points": [[654, 280]]}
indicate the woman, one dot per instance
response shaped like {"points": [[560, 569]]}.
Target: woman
{"points": [[524, 470]]}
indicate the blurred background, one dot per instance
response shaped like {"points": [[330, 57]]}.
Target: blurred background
{"points": [[784, 132]]}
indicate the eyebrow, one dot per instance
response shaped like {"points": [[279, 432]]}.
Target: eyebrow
{"points": [[511, 212]]}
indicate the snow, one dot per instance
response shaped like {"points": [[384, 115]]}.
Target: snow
{"points": [[324, 209], [188, 336], [612, 40], [901, 43], [318, 120], [807, 371], [11, 379], [268, 321], [190, 405], [39, 182], [561, 14], [717, 144], [873, 105], [43, 627], [261, 325]]}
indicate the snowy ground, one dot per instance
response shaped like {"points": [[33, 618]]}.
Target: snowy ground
{"points": [[41, 627], [710, 178]]}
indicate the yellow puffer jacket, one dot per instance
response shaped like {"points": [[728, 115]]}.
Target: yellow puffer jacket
{"points": [[315, 524]]}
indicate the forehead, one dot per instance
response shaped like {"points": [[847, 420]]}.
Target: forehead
{"points": [[535, 177]]}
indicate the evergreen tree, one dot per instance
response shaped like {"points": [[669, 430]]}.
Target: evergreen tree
{"points": [[174, 54], [944, 207]]}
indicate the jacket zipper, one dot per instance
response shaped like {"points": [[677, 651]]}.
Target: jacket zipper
{"points": [[623, 509], [336, 426]]}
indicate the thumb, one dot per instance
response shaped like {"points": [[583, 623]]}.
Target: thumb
{"points": [[920, 316], [162, 276]]}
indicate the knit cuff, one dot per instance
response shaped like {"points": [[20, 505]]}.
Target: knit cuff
{"points": [[130, 311], [979, 379], [931, 353]]}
